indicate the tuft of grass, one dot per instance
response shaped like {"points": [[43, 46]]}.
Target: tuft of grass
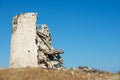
{"points": [[47, 74]]}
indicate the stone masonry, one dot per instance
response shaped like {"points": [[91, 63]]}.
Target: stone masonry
{"points": [[31, 47]]}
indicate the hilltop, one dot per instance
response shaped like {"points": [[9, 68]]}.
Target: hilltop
{"points": [[52, 74]]}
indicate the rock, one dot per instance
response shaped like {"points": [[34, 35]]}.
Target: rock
{"points": [[23, 48], [31, 47]]}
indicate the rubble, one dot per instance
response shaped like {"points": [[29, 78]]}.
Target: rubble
{"points": [[48, 57], [88, 69], [91, 74]]}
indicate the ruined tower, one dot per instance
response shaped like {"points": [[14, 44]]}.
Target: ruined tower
{"points": [[23, 47], [31, 47]]}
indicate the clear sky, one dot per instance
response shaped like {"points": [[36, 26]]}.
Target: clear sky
{"points": [[87, 30]]}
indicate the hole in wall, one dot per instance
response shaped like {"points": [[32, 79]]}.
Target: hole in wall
{"points": [[14, 29], [29, 51]]}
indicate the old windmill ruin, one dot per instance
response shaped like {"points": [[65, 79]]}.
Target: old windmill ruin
{"points": [[31, 47]]}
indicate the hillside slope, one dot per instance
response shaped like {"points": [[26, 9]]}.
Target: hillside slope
{"points": [[49, 74]]}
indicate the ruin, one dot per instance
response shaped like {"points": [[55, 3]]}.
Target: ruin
{"points": [[31, 46]]}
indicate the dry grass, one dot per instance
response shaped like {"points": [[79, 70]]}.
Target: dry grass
{"points": [[47, 74]]}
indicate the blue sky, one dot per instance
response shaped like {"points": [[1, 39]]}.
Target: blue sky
{"points": [[87, 30]]}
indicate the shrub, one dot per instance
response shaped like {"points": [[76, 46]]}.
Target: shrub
{"points": [[119, 72]]}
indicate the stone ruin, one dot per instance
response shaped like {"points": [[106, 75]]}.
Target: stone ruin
{"points": [[31, 46]]}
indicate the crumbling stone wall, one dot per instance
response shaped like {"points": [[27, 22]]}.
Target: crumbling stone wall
{"points": [[23, 46], [48, 57], [31, 47]]}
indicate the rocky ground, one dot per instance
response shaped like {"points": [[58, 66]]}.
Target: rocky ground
{"points": [[55, 74]]}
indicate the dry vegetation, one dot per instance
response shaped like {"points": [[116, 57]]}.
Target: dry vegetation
{"points": [[48, 74], [119, 72]]}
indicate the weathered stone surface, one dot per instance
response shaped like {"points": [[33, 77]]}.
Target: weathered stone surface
{"points": [[23, 47], [31, 47], [48, 57]]}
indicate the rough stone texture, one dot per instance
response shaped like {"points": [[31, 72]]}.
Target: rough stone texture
{"points": [[31, 47], [23, 47], [48, 57]]}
